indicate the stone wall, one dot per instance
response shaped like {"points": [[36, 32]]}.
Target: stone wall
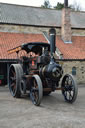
{"points": [[78, 32], [31, 29], [25, 29], [80, 69]]}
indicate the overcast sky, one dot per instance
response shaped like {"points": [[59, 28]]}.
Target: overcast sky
{"points": [[38, 3]]}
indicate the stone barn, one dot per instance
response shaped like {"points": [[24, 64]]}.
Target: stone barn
{"points": [[22, 24]]}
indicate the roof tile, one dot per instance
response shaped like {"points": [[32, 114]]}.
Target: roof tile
{"points": [[11, 40], [76, 50]]}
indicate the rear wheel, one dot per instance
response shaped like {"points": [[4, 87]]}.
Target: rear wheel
{"points": [[36, 90], [15, 75], [69, 88]]}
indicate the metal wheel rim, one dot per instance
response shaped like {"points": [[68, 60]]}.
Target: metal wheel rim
{"points": [[70, 88], [36, 90], [12, 80], [15, 75]]}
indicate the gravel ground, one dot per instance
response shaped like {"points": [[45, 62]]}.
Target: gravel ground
{"points": [[53, 112]]}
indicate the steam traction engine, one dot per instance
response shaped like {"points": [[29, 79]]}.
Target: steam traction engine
{"points": [[40, 74]]}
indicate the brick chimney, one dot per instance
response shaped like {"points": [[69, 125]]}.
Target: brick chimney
{"points": [[66, 23]]}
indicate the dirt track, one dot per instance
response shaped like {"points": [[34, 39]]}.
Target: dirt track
{"points": [[54, 112]]}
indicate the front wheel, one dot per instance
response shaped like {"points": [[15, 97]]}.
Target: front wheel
{"points": [[36, 90], [69, 88]]}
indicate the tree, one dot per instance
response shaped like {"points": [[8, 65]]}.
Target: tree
{"points": [[76, 6], [59, 6], [46, 4]]}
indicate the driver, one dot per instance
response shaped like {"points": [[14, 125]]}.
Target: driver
{"points": [[32, 54]]}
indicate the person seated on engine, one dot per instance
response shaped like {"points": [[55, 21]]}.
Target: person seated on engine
{"points": [[32, 54]]}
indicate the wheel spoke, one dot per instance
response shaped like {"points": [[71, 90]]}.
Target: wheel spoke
{"points": [[70, 82], [65, 93], [13, 84], [13, 72], [70, 96], [14, 90], [72, 88], [34, 89], [36, 96], [13, 78], [32, 96]]}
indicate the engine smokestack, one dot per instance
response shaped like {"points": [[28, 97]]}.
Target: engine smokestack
{"points": [[66, 3], [52, 33]]}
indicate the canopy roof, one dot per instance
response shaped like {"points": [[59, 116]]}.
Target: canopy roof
{"points": [[35, 47]]}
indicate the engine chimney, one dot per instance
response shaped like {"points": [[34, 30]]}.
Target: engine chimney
{"points": [[66, 3], [66, 23], [52, 33]]}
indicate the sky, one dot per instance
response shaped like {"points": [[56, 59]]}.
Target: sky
{"points": [[38, 3]]}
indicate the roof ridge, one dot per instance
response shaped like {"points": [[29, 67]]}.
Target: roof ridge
{"points": [[38, 7], [29, 6]]}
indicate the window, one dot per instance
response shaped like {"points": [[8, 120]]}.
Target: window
{"points": [[74, 71]]}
